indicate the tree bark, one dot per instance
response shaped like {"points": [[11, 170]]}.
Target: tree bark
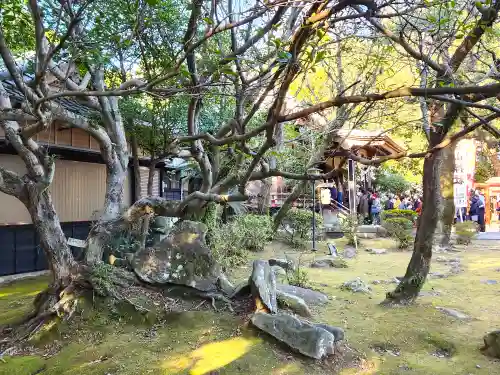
{"points": [[113, 206], [287, 205], [445, 220], [418, 268], [52, 238], [264, 197], [135, 164]]}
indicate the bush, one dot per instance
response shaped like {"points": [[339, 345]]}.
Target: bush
{"points": [[297, 226], [465, 231], [231, 242], [349, 225], [399, 228], [297, 275], [254, 230], [407, 214]]}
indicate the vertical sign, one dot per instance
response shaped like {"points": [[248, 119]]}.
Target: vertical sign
{"points": [[351, 185]]}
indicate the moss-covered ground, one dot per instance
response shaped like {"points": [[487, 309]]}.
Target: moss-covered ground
{"points": [[409, 340]]}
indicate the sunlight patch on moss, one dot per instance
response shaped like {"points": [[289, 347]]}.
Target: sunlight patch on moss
{"points": [[210, 356]]}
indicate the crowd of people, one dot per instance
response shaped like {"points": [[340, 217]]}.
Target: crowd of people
{"points": [[477, 210], [370, 205]]}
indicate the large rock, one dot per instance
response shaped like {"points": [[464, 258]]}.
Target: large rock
{"points": [[349, 252], [294, 303], [307, 338], [263, 284], [337, 332], [311, 297], [329, 262], [491, 346], [182, 258], [286, 264]]}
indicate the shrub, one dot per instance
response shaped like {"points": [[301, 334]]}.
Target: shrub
{"points": [[231, 242], [407, 214], [297, 276], [297, 226], [254, 230], [465, 231], [399, 228], [349, 225]]}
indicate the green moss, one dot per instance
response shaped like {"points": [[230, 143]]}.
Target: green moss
{"points": [[16, 298], [187, 343], [26, 365]]}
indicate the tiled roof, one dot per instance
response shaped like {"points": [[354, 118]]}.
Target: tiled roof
{"points": [[67, 103]]}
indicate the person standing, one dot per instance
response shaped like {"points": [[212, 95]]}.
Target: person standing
{"points": [[363, 207], [370, 204], [397, 202], [389, 204], [474, 208], [376, 209], [481, 211]]}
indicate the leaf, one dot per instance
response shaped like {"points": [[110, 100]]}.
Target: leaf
{"points": [[320, 56], [229, 71], [208, 20], [152, 2], [284, 56]]}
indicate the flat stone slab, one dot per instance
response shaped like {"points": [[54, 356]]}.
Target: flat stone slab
{"points": [[329, 262], [489, 282], [307, 338], [311, 297], [377, 251], [357, 286], [263, 284], [454, 313]]}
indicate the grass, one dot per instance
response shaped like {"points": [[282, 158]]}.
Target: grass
{"points": [[391, 341]]}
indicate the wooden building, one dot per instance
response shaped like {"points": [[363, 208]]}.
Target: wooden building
{"points": [[78, 189]]}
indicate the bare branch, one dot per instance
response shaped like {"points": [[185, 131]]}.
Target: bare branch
{"points": [[11, 183], [398, 93]]}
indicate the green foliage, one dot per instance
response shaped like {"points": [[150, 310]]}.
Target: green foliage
{"points": [[397, 213], [297, 226], [231, 242], [17, 26], [254, 230], [392, 183], [484, 170], [297, 276], [399, 228], [349, 225], [465, 232]]}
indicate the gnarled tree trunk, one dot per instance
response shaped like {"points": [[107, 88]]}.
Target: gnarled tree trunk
{"points": [[52, 238], [113, 204], [418, 268], [287, 205]]}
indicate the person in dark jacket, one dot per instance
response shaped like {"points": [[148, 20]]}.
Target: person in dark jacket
{"points": [[474, 208]]}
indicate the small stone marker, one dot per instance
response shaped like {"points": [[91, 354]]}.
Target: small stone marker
{"points": [[332, 249]]}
